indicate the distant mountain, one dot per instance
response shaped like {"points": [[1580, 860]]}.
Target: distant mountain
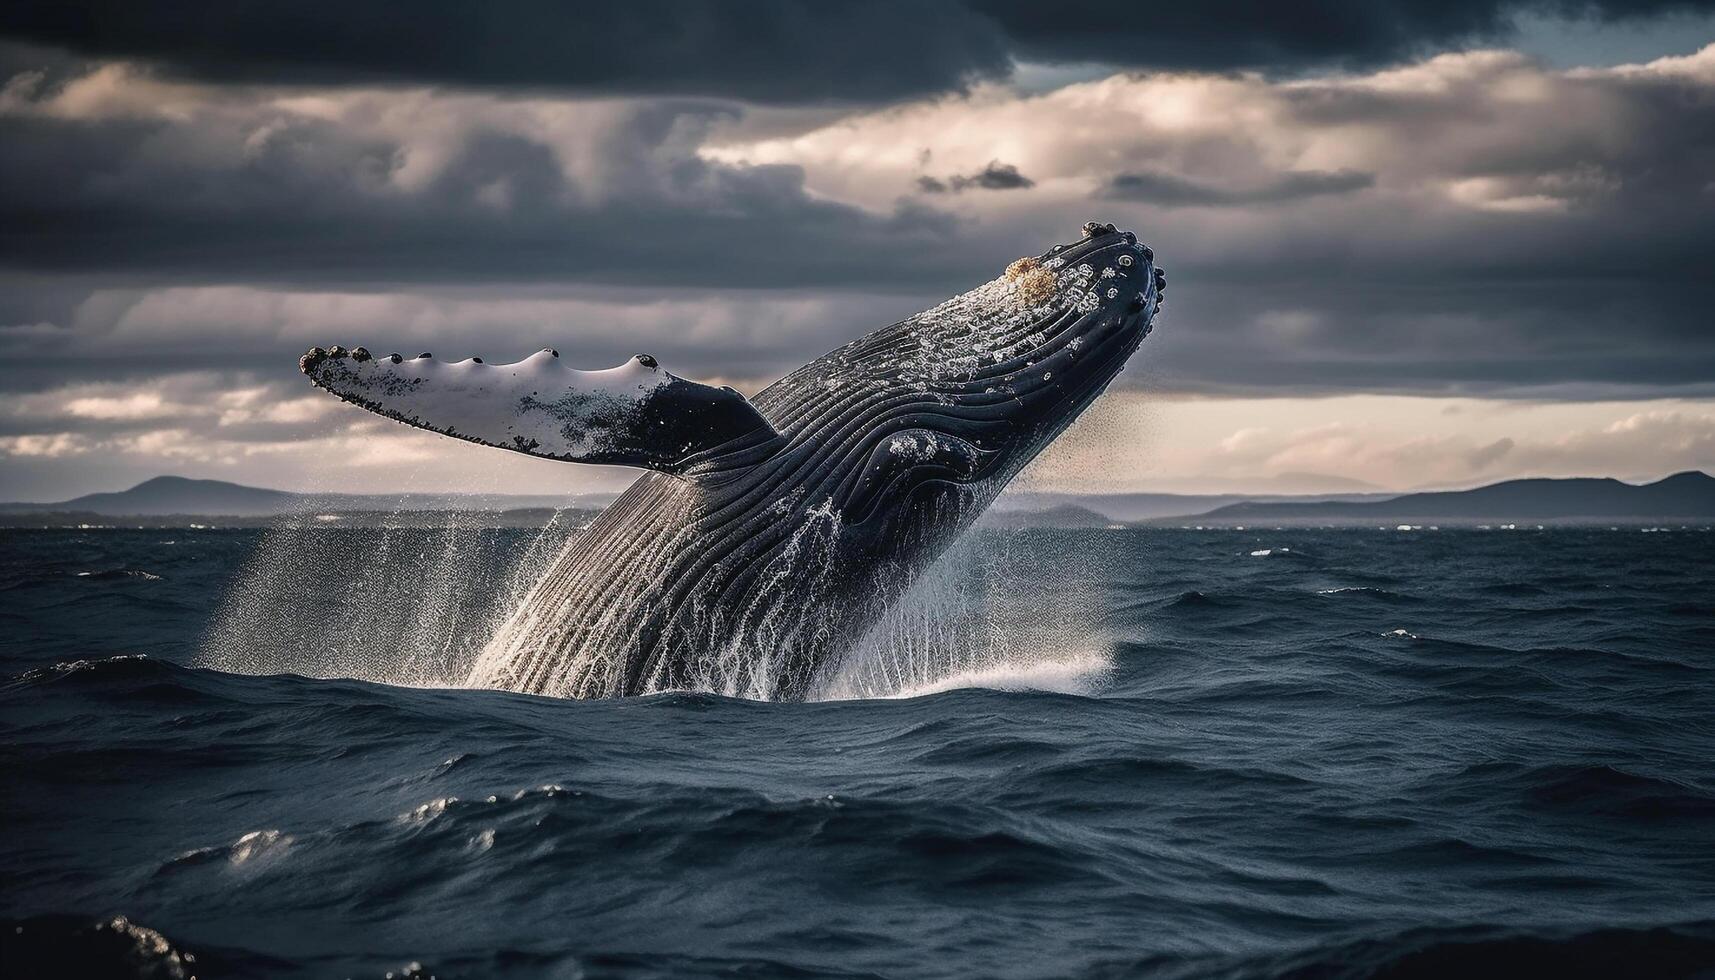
{"points": [[1689, 495], [1681, 496], [177, 495], [172, 495], [1128, 507], [166, 495]]}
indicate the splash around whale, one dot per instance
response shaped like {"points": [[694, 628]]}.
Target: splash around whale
{"points": [[772, 533]]}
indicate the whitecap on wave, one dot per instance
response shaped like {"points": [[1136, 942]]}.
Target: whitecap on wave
{"points": [[1081, 674]]}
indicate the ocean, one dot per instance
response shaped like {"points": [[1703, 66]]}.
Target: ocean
{"points": [[1073, 753]]}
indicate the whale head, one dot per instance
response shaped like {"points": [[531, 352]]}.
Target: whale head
{"points": [[946, 406]]}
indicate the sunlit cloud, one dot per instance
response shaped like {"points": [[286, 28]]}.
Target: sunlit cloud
{"points": [[1474, 228]]}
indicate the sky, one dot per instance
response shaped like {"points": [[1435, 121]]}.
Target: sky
{"points": [[1410, 244]]}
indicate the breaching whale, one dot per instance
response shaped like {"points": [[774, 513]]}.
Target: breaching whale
{"points": [[773, 532]]}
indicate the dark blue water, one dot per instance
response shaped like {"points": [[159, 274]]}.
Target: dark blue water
{"points": [[1372, 754]]}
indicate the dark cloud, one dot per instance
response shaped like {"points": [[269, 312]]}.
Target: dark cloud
{"points": [[1228, 34], [996, 176], [1171, 190], [1327, 330], [1502, 230], [768, 51], [306, 200], [777, 51]]}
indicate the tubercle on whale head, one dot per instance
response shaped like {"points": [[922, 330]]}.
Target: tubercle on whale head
{"points": [[1105, 278], [1078, 296], [1128, 273], [994, 374], [1024, 350]]}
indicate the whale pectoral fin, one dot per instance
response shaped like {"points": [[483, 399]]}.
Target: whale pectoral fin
{"points": [[633, 415]]}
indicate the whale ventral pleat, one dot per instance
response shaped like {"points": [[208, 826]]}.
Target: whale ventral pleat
{"points": [[775, 532]]}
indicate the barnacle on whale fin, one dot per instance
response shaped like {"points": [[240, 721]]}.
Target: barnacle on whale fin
{"points": [[1021, 268]]}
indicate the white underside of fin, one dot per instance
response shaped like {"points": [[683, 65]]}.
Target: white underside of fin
{"points": [[636, 414]]}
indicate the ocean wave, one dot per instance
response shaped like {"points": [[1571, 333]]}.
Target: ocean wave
{"points": [[1081, 674], [114, 947], [1125, 775], [70, 945], [116, 574], [1592, 790], [1267, 784], [1679, 950], [253, 850], [1513, 589], [127, 665], [1194, 599], [62, 945], [1370, 592], [1281, 552]]}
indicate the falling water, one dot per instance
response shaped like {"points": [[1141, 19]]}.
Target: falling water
{"points": [[749, 656], [994, 611], [417, 605], [400, 603]]}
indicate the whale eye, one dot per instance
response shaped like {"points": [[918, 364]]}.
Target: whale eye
{"points": [[647, 361]]}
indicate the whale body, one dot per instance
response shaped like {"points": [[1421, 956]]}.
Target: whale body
{"points": [[771, 533]]}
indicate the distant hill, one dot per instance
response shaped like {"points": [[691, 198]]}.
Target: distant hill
{"points": [[1129, 507], [177, 495], [183, 497], [172, 495], [1681, 496]]}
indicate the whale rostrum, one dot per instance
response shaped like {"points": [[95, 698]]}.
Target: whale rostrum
{"points": [[774, 531]]}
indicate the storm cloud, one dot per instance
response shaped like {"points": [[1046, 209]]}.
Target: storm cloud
{"points": [[186, 205], [1472, 222], [1469, 223], [116, 170], [778, 51]]}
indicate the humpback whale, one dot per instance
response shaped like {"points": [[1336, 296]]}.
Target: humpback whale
{"points": [[771, 533]]}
